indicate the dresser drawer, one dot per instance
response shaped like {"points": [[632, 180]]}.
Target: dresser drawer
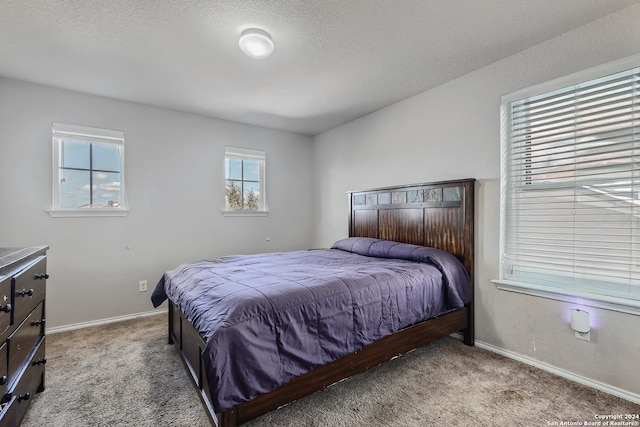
{"points": [[22, 341], [31, 381], [5, 307], [32, 377], [29, 288], [8, 413], [4, 365], [23, 277]]}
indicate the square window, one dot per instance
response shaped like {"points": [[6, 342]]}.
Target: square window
{"points": [[88, 171]]}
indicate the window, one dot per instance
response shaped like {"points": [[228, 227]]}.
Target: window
{"points": [[244, 181], [88, 173], [570, 193]]}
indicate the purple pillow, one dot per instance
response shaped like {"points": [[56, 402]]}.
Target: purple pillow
{"points": [[454, 273]]}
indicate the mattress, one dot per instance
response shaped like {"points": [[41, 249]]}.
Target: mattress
{"points": [[270, 317]]}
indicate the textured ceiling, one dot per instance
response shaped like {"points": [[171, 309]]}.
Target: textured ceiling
{"points": [[334, 60]]}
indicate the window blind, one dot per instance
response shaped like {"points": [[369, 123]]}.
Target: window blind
{"points": [[571, 187]]}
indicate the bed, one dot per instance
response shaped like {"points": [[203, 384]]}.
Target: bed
{"points": [[257, 332]]}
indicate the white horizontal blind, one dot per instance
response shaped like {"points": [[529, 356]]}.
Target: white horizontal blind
{"points": [[571, 183]]}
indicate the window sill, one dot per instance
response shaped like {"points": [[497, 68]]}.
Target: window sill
{"points": [[78, 213], [245, 213], [622, 305]]}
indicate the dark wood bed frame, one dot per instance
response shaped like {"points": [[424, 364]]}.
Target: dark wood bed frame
{"points": [[439, 215]]}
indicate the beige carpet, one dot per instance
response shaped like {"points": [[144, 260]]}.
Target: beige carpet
{"points": [[125, 374]]}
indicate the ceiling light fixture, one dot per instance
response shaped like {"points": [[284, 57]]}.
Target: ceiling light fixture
{"points": [[256, 43]]}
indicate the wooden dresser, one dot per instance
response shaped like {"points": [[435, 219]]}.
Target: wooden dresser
{"points": [[23, 277]]}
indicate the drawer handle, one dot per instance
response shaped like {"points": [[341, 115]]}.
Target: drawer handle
{"points": [[25, 292], [37, 323], [41, 276], [39, 362], [3, 380], [22, 397], [6, 308]]}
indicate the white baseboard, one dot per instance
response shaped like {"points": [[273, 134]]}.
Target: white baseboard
{"points": [[607, 388], [106, 321]]}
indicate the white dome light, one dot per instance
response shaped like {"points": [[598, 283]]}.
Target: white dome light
{"points": [[256, 43]]}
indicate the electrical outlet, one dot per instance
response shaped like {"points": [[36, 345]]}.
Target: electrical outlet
{"points": [[583, 335], [142, 285]]}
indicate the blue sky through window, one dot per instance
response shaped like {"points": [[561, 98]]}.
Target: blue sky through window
{"points": [[89, 170]]}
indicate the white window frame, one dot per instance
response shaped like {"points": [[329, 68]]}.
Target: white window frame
{"points": [[607, 299], [238, 153], [90, 135]]}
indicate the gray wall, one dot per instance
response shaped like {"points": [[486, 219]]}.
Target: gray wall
{"points": [[453, 131], [174, 179], [174, 169]]}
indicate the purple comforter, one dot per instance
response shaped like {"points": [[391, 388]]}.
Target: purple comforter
{"points": [[270, 317]]}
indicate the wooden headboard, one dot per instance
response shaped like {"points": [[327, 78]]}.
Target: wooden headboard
{"points": [[438, 214]]}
